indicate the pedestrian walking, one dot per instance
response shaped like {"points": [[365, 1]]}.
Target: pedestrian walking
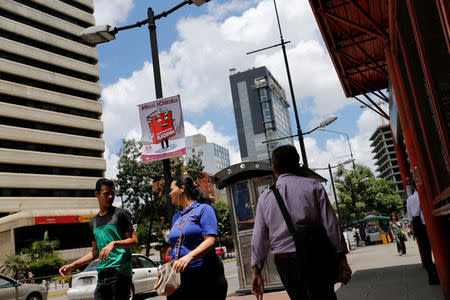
{"points": [[112, 236], [307, 203], [415, 216], [357, 238], [30, 278], [202, 272], [21, 278], [398, 232]]}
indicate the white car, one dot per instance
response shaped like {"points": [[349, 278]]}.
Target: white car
{"points": [[144, 277], [11, 289]]}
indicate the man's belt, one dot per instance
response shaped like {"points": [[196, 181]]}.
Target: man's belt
{"points": [[286, 255]]}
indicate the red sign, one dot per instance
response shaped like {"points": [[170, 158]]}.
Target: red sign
{"points": [[161, 125], [61, 219]]}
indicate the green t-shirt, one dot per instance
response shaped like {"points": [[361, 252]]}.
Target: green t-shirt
{"points": [[112, 227]]}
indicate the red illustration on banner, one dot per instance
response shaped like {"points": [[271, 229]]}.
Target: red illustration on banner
{"points": [[161, 126]]}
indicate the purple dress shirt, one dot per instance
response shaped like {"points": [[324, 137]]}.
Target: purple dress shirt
{"points": [[307, 204]]}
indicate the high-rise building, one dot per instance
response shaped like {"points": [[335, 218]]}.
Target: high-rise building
{"points": [[213, 156], [51, 146], [261, 113], [386, 160]]}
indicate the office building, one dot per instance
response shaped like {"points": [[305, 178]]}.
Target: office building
{"points": [[261, 113], [51, 146], [213, 156], [386, 160]]}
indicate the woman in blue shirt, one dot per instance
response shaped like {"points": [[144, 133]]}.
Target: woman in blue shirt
{"points": [[202, 273]]}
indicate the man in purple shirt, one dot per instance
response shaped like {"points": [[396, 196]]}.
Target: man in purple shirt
{"points": [[307, 204]]}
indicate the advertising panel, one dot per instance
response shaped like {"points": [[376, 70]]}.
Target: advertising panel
{"points": [[62, 219], [162, 128]]}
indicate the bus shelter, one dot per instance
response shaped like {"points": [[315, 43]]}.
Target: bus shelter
{"points": [[244, 183]]}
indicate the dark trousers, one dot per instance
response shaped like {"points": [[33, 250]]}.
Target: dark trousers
{"points": [[301, 286], [422, 237], [112, 285], [207, 282], [401, 243]]}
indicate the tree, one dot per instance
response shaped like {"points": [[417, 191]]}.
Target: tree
{"points": [[40, 258], [15, 263], [369, 194], [194, 166], [140, 187], [223, 219]]}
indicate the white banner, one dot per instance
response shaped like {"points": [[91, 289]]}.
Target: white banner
{"points": [[162, 129]]}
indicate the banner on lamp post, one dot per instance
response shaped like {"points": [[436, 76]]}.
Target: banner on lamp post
{"points": [[162, 129]]}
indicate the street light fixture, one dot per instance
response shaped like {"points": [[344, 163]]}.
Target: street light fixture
{"points": [[348, 142], [332, 182], [105, 33], [322, 124]]}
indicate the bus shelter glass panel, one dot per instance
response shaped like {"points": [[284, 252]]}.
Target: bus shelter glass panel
{"points": [[243, 206]]}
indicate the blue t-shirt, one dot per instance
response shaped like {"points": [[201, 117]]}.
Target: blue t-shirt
{"points": [[202, 221]]}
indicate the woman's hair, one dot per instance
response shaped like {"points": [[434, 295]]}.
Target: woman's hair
{"points": [[394, 216], [192, 189]]}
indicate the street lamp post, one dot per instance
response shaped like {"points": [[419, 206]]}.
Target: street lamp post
{"points": [[106, 33], [348, 142], [322, 124], [354, 168], [291, 88], [334, 194], [332, 181]]}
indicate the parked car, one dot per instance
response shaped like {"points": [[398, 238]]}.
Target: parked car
{"points": [[11, 289], [82, 285]]}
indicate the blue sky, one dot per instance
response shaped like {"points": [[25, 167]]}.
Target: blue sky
{"points": [[198, 46]]}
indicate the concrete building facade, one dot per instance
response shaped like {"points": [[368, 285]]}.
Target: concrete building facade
{"points": [[51, 146], [386, 160], [261, 113], [213, 156]]}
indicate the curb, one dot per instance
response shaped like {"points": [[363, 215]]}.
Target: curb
{"points": [[57, 294]]}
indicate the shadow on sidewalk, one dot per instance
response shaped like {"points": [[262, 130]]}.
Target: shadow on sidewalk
{"points": [[399, 282]]}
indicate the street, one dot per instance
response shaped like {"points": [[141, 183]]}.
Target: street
{"points": [[230, 274], [378, 273]]}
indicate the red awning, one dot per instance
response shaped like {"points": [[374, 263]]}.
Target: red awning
{"points": [[356, 32]]}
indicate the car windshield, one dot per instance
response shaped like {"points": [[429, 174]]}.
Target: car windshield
{"points": [[92, 266]]}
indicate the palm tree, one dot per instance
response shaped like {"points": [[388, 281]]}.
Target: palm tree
{"points": [[15, 264]]}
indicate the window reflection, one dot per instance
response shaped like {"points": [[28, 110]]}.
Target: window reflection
{"points": [[242, 206]]}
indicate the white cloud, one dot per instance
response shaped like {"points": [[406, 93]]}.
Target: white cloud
{"points": [[111, 164], [111, 12], [197, 63], [214, 136], [337, 149]]}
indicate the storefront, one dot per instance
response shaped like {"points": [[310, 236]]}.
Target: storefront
{"points": [[406, 42]]}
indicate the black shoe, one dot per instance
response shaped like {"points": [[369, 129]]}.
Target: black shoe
{"points": [[432, 280]]}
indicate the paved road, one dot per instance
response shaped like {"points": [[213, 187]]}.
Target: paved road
{"points": [[230, 274]]}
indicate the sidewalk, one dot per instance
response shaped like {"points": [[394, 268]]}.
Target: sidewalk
{"points": [[379, 273]]}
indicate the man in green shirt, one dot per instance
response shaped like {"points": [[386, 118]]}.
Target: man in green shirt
{"points": [[112, 238]]}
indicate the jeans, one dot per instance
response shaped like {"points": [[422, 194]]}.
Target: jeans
{"points": [[422, 236], [300, 286], [112, 285], [400, 239], [207, 282]]}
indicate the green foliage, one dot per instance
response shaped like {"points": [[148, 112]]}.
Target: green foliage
{"points": [[223, 219], [66, 278], [142, 191], [14, 264], [194, 166], [358, 196], [46, 266]]}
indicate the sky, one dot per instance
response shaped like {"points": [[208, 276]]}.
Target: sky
{"points": [[198, 46]]}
